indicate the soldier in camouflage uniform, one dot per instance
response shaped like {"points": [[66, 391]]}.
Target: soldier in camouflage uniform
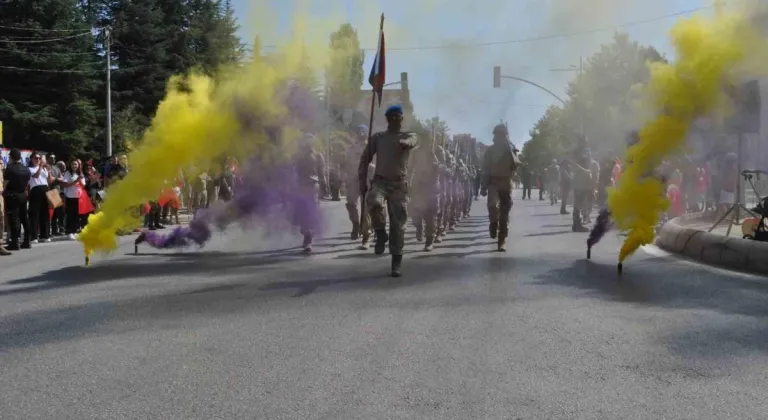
{"points": [[465, 189], [471, 188], [499, 165], [425, 193], [449, 215], [443, 179], [552, 181], [389, 189], [354, 152], [307, 166]]}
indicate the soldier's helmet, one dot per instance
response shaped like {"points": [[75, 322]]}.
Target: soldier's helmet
{"points": [[500, 129]]}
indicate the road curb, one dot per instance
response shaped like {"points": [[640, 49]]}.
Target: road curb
{"points": [[728, 252]]}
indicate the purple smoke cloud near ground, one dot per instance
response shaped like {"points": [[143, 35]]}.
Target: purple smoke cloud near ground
{"points": [[270, 190]]}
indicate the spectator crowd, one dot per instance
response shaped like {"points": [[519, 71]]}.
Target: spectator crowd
{"points": [[45, 199]]}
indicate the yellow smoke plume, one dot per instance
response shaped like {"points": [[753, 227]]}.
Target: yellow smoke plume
{"points": [[710, 55], [196, 123]]}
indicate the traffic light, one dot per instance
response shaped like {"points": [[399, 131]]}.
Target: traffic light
{"points": [[496, 76]]}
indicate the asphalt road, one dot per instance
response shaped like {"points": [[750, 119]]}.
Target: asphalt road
{"points": [[251, 329]]}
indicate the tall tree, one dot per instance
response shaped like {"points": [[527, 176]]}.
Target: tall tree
{"points": [[213, 39], [344, 73], [140, 48], [50, 72]]}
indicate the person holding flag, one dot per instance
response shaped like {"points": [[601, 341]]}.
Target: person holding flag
{"points": [[389, 188]]}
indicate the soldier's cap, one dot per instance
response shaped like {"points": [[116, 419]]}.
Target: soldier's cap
{"points": [[500, 129], [394, 109], [362, 127]]}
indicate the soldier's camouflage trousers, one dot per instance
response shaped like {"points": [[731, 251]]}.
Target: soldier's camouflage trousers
{"points": [[424, 208], [310, 202], [353, 198], [2, 218], [457, 207], [393, 196], [500, 204], [467, 197], [446, 207]]}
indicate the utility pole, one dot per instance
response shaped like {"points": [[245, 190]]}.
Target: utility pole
{"points": [[580, 69], [107, 42]]}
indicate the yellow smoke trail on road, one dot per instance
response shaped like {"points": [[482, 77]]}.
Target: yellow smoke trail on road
{"points": [[709, 54]]}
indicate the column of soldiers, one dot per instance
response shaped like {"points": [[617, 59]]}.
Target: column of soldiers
{"points": [[417, 176]]}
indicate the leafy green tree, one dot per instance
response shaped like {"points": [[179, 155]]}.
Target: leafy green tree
{"points": [[600, 102], [344, 73]]}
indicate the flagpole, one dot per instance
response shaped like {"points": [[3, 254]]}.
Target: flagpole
{"points": [[364, 188]]}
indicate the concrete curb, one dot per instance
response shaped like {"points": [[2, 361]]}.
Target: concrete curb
{"points": [[728, 252]]}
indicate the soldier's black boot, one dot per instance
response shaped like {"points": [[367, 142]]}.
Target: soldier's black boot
{"points": [[493, 229], [381, 242], [429, 241], [577, 222], [156, 219], [502, 244], [307, 244], [419, 233], [580, 228], [352, 210], [366, 238], [397, 262]]}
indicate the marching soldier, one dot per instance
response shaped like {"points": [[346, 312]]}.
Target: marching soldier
{"points": [[389, 189], [468, 187], [499, 165], [308, 167], [443, 196], [425, 192], [552, 181], [449, 219], [354, 154]]}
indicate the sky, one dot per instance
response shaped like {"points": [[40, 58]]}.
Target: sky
{"points": [[452, 77]]}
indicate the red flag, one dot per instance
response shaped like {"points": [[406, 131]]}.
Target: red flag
{"points": [[378, 75]]}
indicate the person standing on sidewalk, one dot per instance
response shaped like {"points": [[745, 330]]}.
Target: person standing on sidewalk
{"points": [[72, 178], [3, 251], [16, 178], [39, 221]]}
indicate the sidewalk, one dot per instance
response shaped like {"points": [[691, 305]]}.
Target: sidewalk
{"points": [[687, 235]]}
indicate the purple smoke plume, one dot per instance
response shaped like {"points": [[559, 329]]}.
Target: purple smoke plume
{"points": [[602, 225], [271, 190]]}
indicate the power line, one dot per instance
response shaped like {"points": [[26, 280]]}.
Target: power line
{"points": [[540, 38], [45, 53], [40, 41], [21, 28], [12, 68]]}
